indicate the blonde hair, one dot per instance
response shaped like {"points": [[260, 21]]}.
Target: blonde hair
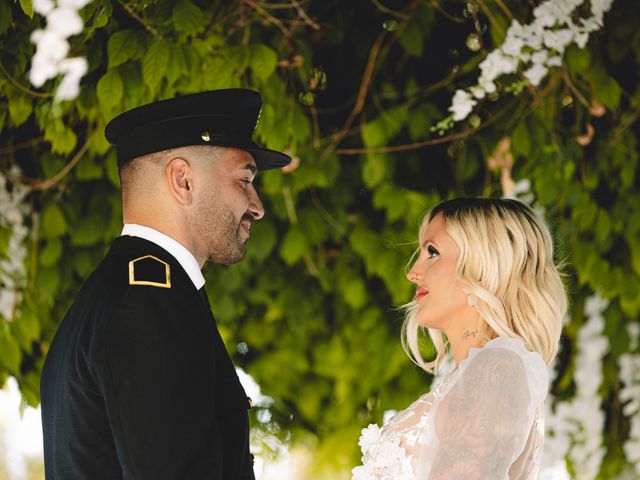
{"points": [[506, 261]]}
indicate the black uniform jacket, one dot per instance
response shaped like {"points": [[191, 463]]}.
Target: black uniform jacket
{"points": [[137, 383]]}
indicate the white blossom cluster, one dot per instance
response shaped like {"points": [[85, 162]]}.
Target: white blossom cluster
{"points": [[575, 428], [534, 47], [629, 364], [52, 47], [12, 269]]}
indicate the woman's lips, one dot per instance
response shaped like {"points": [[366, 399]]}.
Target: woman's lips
{"points": [[420, 292]]}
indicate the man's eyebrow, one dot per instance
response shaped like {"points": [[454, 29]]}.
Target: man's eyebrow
{"points": [[251, 167]]}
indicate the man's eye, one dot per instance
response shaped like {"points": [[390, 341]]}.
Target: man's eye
{"points": [[246, 181], [432, 251]]}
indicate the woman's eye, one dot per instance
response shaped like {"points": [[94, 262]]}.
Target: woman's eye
{"points": [[432, 251]]}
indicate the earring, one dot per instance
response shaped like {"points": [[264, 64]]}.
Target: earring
{"points": [[471, 298]]}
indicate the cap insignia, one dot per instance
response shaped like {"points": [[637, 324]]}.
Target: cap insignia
{"points": [[206, 136]]}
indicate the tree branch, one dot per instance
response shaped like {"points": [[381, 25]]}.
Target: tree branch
{"points": [[152, 30], [305, 17], [270, 18], [22, 87], [410, 146], [362, 94], [50, 182], [21, 146]]}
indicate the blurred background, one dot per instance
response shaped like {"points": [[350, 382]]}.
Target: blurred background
{"points": [[387, 107]]}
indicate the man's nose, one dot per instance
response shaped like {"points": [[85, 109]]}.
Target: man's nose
{"points": [[256, 210]]}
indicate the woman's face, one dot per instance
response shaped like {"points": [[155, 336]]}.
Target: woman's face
{"points": [[442, 303]]}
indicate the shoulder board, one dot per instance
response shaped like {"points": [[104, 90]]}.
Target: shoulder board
{"points": [[151, 271]]}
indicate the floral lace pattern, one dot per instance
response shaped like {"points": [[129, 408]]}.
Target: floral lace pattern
{"points": [[407, 446], [388, 452]]}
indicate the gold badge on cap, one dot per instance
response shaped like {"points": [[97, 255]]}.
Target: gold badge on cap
{"points": [[206, 136]]}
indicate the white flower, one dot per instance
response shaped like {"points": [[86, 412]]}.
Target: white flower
{"points": [[595, 305], [496, 64], [478, 92], [74, 69], [52, 47], [43, 7], [536, 73], [462, 105], [75, 4], [558, 39], [534, 47], [64, 21]]}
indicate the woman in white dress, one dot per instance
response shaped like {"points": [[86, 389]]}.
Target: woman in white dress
{"points": [[490, 295]]}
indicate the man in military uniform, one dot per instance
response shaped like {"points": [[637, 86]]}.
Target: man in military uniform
{"points": [[137, 383]]}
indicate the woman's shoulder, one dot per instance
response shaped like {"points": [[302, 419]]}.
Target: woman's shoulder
{"points": [[510, 355]]}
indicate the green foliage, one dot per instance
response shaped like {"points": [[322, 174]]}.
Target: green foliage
{"points": [[313, 300]]}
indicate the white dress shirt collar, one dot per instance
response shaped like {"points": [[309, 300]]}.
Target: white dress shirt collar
{"points": [[184, 257]]}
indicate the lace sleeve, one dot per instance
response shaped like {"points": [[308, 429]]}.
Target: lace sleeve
{"points": [[484, 420]]}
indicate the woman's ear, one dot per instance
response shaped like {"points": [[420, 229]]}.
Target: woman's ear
{"points": [[179, 174]]}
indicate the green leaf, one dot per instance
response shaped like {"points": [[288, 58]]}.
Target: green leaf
{"points": [[375, 169], [5, 16], [262, 240], [27, 329], [411, 40], [606, 89], [578, 59], [177, 65], [27, 7], [154, 63], [110, 89], [263, 61], [63, 139], [391, 199], [53, 222], [10, 356], [87, 231], [374, 133], [293, 245], [20, 108], [353, 291], [51, 252], [188, 18], [520, 142], [219, 73], [88, 169], [124, 45]]}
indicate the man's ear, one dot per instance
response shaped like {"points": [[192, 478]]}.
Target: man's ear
{"points": [[179, 175]]}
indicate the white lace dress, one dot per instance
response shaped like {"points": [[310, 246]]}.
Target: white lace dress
{"points": [[485, 421]]}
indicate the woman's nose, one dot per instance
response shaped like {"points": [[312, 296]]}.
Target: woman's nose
{"points": [[412, 276]]}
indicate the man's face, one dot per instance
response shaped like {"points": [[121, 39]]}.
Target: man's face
{"points": [[227, 205]]}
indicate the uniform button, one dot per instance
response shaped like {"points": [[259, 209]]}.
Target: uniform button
{"points": [[253, 459], [249, 402]]}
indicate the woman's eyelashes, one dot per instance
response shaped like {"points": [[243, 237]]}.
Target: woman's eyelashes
{"points": [[432, 251]]}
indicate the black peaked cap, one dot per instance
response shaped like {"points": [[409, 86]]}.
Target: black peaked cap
{"points": [[223, 118]]}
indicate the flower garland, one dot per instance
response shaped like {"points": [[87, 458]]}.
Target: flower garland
{"points": [[629, 364], [574, 429], [536, 47], [12, 269], [52, 47]]}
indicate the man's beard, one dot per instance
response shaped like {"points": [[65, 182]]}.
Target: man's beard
{"points": [[227, 248]]}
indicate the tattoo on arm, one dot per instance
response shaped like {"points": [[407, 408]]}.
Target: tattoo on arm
{"points": [[485, 421]]}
